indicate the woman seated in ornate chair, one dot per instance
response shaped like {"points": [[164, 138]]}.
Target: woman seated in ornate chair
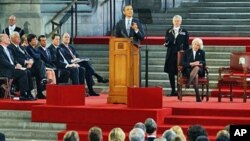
{"points": [[194, 64]]}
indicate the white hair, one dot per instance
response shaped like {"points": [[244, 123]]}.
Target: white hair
{"points": [[177, 17], [198, 41]]}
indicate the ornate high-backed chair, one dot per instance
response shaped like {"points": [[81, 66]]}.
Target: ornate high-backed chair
{"points": [[237, 74]]}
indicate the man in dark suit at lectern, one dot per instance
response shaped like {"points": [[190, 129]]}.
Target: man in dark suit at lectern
{"points": [[130, 27]]}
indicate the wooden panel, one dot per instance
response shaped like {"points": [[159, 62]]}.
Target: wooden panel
{"points": [[123, 67]]}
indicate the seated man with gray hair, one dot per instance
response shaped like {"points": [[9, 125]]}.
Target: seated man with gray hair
{"points": [[169, 134], [151, 128], [95, 134]]}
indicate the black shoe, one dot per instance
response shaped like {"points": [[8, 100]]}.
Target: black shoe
{"points": [[173, 94], [44, 81], [23, 98], [198, 100], [102, 80], [93, 93], [41, 96]]}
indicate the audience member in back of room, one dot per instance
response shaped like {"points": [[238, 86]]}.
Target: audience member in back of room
{"points": [[222, 135], [12, 27], [160, 139], [178, 138], [46, 57], [194, 131], [95, 134], [169, 134], [151, 128], [136, 134], [2, 137], [117, 134], [71, 136], [140, 125], [178, 130], [202, 138]]}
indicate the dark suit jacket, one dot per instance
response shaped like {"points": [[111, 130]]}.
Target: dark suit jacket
{"points": [[122, 32], [33, 52], [17, 29], [46, 57], [188, 57], [18, 55], [53, 54], [6, 68], [173, 46], [66, 54]]}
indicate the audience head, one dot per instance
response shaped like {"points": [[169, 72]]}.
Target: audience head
{"points": [[12, 20], [32, 40], [227, 128], [197, 43], [169, 134], [202, 138], [66, 38], [4, 40], [95, 134], [136, 134], [140, 125], [128, 11], [117, 134], [42, 40], [178, 130], [177, 19], [178, 138], [56, 39], [24, 41], [160, 139], [71, 136], [150, 125], [2, 137], [15, 38], [223, 135], [194, 131]]}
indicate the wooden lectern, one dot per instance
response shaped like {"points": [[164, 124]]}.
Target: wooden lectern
{"points": [[124, 68]]}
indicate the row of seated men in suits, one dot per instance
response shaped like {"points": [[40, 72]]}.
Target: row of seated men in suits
{"points": [[38, 61]]}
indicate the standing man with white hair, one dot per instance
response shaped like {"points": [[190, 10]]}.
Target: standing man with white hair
{"points": [[194, 64], [12, 27], [176, 39]]}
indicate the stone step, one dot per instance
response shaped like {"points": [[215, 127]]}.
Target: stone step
{"points": [[189, 21], [13, 115], [29, 134], [216, 3], [214, 9], [218, 28], [20, 124], [207, 33]]}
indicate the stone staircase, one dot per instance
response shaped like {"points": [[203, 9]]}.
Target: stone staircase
{"points": [[216, 57], [206, 18], [17, 126]]}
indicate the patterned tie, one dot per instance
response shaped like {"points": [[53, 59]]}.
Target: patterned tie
{"points": [[71, 53], [18, 47], [128, 26]]}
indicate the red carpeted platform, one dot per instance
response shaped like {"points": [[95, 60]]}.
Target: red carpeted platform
{"points": [[96, 112]]}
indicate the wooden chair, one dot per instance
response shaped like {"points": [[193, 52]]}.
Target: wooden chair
{"points": [[7, 86], [183, 80], [237, 74]]}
